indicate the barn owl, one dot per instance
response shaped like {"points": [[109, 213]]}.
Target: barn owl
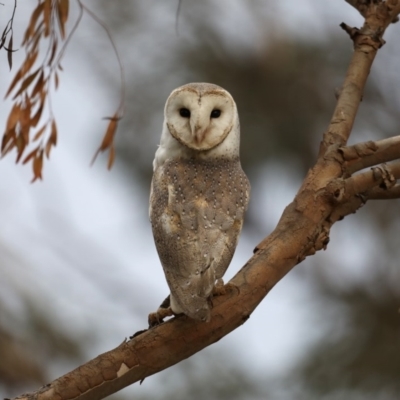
{"points": [[199, 194]]}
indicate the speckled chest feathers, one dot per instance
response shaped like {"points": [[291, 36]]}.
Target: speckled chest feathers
{"points": [[196, 212]]}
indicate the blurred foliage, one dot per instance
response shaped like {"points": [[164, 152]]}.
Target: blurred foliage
{"points": [[284, 86], [30, 340], [361, 357]]}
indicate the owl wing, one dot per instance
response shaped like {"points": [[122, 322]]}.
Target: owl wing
{"points": [[196, 211]]}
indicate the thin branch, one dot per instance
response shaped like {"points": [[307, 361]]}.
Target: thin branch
{"points": [[384, 194], [383, 176], [368, 154], [71, 34], [121, 106]]}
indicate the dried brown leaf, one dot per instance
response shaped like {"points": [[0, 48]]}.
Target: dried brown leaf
{"points": [[26, 66], [111, 157], [37, 35], [9, 51], [30, 155], [38, 85], [17, 77], [25, 120], [36, 118], [26, 82], [39, 133], [63, 9], [53, 52], [8, 142], [108, 137], [21, 145], [37, 166], [32, 23], [13, 117], [47, 17], [53, 135], [48, 148]]}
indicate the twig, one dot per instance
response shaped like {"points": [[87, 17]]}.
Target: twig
{"points": [[368, 154], [383, 176], [384, 194]]}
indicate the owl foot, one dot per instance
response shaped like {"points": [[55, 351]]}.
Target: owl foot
{"points": [[163, 311], [220, 289]]}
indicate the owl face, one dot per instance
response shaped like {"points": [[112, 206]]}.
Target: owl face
{"points": [[200, 116]]}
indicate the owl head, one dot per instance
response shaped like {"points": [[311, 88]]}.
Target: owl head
{"points": [[201, 120]]}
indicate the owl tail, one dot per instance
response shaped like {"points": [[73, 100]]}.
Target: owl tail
{"points": [[193, 306]]}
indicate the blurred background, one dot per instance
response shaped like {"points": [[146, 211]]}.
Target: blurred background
{"points": [[79, 270]]}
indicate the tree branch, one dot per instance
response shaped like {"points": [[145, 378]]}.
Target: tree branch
{"points": [[324, 197], [384, 194], [368, 154], [363, 7], [384, 176], [367, 41]]}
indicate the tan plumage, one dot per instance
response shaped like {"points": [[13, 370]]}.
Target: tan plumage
{"points": [[199, 194]]}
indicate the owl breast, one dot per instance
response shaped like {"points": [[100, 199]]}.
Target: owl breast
{"points": [[196, 212]]}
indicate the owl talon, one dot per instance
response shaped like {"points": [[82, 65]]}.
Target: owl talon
{"points": [[220, 289], [157, 317]]}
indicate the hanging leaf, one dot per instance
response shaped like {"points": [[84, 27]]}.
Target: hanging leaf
{"points": [[32, 23], [37, 166], [26, 82], [8, 142], [26, 66], [13, 117], [36, 118], [47, 17], [39, 85], [108, 137], [53, 135], [62, 9], [30, 155], [10, 51], [53, 52], [39, 133]]}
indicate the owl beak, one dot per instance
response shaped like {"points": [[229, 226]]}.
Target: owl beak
{"points": [[198, 133]]}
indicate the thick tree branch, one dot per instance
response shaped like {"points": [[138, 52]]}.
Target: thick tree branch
{"points": [[324, 197], [368, 154]]}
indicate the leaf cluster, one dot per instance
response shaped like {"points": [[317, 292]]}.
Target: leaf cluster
{"points": [[31, 123]]}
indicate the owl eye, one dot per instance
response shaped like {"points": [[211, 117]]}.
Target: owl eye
{"points": [[215, 113], [184, 112]]}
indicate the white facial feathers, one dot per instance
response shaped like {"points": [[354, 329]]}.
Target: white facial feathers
{"points": [[201, 120]]}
